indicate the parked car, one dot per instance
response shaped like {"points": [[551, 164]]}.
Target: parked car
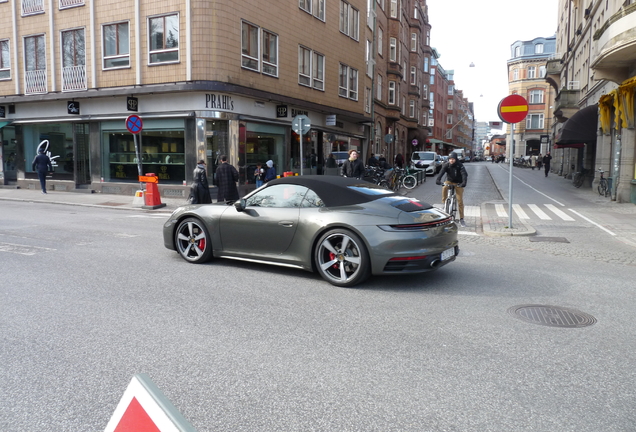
{"points": [[340, 157], [343, 228], [428, 161]]}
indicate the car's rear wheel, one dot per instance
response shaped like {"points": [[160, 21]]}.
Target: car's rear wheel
{"points": [[193, 241], [342, 258]]}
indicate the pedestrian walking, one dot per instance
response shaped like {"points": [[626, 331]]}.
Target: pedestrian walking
{"points": [[546, 163], [353, 167], [270, 174], [40, 164], [200, 189], [539, 162], [226, 178]]}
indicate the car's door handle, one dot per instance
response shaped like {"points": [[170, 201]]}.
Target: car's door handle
{"points": [[287, 224]]}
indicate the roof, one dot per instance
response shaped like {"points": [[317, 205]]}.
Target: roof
{"points": [[335, 191]]}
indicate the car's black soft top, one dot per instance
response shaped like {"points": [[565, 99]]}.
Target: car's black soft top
{"points": [[337, 191]]}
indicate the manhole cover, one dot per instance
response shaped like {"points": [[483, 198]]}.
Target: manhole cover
{"points": [[553, 316], [549, 239]]}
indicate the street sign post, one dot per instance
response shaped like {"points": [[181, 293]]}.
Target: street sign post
{"points": [[301, 125], [512, 109], [134, 124]]}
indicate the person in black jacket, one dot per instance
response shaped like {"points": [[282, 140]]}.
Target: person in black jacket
{"points": [[200, 190], [546, 163], [226, 178], [353, 167], [455, 174], [40, 164]]}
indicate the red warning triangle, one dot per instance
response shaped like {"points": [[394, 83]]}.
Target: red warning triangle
{"points": [[135, 419], [144, 408]]}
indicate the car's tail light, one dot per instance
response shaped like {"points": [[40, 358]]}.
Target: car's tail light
{"points": [[420, 226]]}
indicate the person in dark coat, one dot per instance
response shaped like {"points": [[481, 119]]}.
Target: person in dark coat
{"points": [[455, 174], [200, 190], [270, 173], [399, 160], [40, 164], [373, 161], [330, 162], [353, 167], [226, 178], [546, 163]]}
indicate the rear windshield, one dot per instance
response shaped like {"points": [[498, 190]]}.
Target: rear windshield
{"points": [[423, 156], [372, 189]]}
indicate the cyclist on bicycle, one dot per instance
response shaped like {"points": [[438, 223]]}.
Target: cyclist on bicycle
{"points": [[456, 175]]}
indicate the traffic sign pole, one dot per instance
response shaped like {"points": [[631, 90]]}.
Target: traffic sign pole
{"points": [[512, 152], [134, 124]]}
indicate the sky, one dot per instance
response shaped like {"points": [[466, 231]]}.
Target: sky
{"points": [[481, 32]]}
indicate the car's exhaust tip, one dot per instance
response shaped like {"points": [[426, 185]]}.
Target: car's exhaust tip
{"points": [[435, 263]]}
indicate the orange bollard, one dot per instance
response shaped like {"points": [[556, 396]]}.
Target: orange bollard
{"points": [[152, 197]]}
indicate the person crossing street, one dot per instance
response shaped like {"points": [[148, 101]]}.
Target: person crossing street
{"points": [[456, 175]]}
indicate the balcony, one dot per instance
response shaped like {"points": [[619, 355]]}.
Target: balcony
{"points": [[30, 7], [35, 82], [70, 3], [566, 102], [74, 78], [615, 42]]}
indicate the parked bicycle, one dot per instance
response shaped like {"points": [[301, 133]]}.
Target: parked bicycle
{"points": [[603, 185], [579, 177]]}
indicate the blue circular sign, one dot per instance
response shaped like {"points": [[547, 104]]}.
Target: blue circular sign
{"points": [[134, 124]]}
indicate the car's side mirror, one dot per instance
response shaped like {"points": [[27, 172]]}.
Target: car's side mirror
{"points": [[240, 205]]}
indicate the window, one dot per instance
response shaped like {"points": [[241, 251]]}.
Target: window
{"points": [[5, 60], [411, 108], [534, 121], [348, 83], [70, 3], [515, 74], [381, 3], [449, 105], [532, 72], [116, 45], [449, 119], [536, 96], [349, 20], [353, 84], [305, 5], [30, 7], [164, 38], [304, 66], [249, 46], [35, 64], [541, 71], [393, 49], [517, 51], [380, 41], [317, 6], [416, 13], [367, 100], [378, 95], [451, 90], [425, 91], [413, 75], [428, 37], [73, 60], [318, 71], [432, 98], [394, 9], [283, 196], [392, 93], [254, 38], [432, 79], [426, 64], [414, 41], [270, 53], [538, 49]]}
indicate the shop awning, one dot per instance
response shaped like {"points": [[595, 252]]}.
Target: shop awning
{"points": [[4, 123], [580, 129]]}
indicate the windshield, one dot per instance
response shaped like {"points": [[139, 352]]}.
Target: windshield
{"points": [[423, 156]]}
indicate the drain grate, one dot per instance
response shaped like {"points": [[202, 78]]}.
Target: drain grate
{"points": [[553, 316], [549, 239]]}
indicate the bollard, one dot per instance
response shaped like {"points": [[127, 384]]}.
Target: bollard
{"points": [[152, 197]]}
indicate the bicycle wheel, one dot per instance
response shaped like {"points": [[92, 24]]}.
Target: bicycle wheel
{"points": [[454, 208], [602, 188], [409, 181]]}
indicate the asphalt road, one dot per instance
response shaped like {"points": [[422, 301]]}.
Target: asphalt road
{"points": [[90, 297]]}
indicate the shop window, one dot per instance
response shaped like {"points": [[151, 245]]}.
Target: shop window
{"points": [[164, 39], [116, 42]]}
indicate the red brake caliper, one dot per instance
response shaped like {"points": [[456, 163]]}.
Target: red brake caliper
{"points": [[202, 244], [333, 256]]}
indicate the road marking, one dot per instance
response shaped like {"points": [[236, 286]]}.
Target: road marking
{"points": [[467, 233], [535, 208], [522, 214], [501, 212], [559, 213], [472, 211], [536, 190], [22, 249], [592, 222]]}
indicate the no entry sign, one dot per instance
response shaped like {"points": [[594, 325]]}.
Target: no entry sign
{"points": [[513, 109], [134, 124]]}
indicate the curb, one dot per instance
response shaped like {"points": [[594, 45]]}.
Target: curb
{"points": [[522, 229]]}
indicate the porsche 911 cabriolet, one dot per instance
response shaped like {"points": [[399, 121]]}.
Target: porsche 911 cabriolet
{"points": [[343, 228]]}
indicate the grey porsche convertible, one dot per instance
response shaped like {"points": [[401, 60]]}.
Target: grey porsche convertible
{"points": [[343, 228]]}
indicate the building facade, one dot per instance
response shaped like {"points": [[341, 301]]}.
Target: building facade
{"points": [[206, 80], [526, 77], [594, 76]]}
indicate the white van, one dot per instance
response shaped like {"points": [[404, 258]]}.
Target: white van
{"points": [[428, 161]]}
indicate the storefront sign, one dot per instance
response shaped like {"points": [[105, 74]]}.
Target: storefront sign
{"points": [[132, 103], [2, 112], [296, 112], [281, 111], [330, 120], [73, 107], [217, 101]]}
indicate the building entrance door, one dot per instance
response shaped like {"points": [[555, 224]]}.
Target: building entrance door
{"points": [[81, 151]]}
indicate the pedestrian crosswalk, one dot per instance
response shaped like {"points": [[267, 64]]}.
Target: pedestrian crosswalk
{"points": [[527, 212]]}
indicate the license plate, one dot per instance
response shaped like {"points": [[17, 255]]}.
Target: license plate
{"points": [[448, 253]]}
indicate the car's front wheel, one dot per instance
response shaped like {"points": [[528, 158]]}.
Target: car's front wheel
{"points": [[193, 241], [342, 258]]}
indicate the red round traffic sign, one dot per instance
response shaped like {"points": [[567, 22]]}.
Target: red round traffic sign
{"points": [[134, 124], [513, 109]]}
